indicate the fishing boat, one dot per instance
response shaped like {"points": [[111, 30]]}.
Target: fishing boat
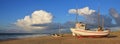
{"points": [[80, 30]]}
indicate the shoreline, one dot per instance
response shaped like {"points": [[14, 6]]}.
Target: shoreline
{"points": [[113, 38]]}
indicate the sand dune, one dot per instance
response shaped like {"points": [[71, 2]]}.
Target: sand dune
{"points": [[114, 38]]}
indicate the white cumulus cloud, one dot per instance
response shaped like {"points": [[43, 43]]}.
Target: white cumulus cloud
{"points": [[90, 16], [82, 11], [37, 17]]}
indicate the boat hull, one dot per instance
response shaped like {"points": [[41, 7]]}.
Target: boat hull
{"points": [[88, 33]]}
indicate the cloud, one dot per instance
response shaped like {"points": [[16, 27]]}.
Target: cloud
{"points": [[89, 14], [43, 20], [91, 17], [55, 27], [12, 28], [92, 21], [72, 11], [115, 15], [37, 17], [67, 24], [82, 11]]}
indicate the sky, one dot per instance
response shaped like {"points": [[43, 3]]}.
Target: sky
{"points": [[13, 10]]}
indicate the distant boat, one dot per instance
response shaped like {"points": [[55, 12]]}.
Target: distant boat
{"points": [[81, 31]]}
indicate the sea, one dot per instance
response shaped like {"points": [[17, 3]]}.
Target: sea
{"points": [[8, 36]]}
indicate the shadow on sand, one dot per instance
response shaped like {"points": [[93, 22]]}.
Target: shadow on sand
{"points": [[111, 36]]}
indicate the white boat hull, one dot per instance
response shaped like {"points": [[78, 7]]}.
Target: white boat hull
{"points": [[82, 32]]}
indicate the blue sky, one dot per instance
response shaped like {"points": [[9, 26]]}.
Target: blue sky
{"points": [[11, 10]]}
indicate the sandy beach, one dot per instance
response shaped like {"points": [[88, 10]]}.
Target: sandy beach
{"points": [[113, 38]]}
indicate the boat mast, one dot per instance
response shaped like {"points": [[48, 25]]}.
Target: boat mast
{"points": [[102, 22], [76, 15], [59, 31], [98, 17]]}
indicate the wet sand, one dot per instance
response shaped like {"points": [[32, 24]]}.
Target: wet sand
{"points": [[113, 38]]}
